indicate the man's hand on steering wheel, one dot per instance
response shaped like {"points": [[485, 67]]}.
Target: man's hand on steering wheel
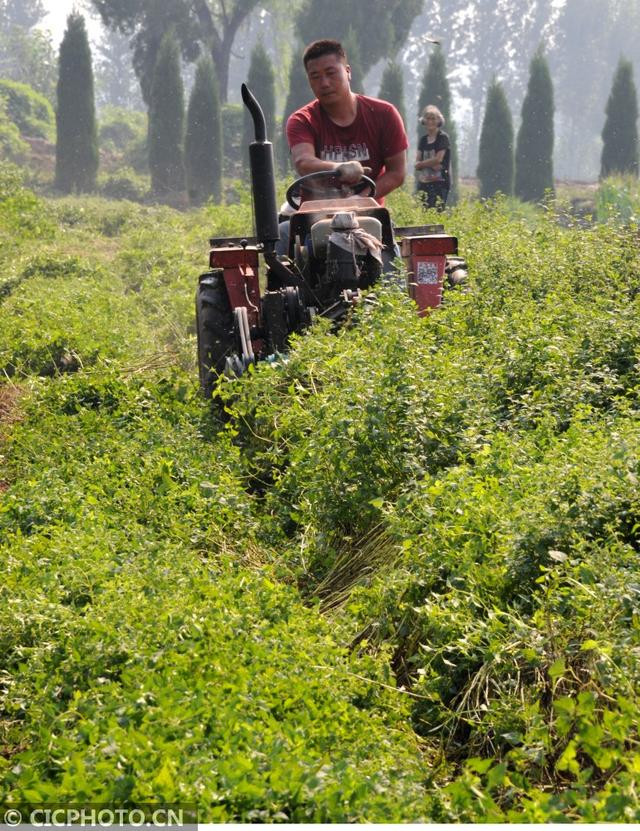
{"points": [[332, 184], [351, 172]]}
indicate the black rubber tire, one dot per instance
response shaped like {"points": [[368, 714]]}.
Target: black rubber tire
{"points": [[214, 326]]}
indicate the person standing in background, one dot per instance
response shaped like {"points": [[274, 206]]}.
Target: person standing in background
{"points": [[433, 179]]}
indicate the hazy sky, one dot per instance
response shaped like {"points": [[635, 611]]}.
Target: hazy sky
{"points": [[56, 19]]}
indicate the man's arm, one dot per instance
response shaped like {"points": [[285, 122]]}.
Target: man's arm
{"points": [[395, 172], [305, 160]]}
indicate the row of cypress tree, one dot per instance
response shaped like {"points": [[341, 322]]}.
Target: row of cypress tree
{"points": [[181, 156], [528, 172], [189, 157], [184, 158]]}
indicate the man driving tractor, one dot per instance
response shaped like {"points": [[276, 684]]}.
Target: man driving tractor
{"points": [[352, 134], [342, 239]]}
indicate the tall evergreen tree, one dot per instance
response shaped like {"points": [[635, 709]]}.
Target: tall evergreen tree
{"points": [[77, 138], [620, 133], [261, 82], [588, 41], [299, 94], [435, 86], [203, 140], [166, 121], [534, 146], [392, 88], [352, 48], [435, 90], [495, 162]]}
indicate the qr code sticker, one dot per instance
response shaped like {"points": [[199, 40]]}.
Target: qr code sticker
{"points": [[427, 274]]}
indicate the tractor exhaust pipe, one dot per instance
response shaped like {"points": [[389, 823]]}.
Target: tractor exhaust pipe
{"points": [[263, 180]]}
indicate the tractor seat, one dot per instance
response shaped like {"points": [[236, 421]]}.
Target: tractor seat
{"points": [[321, 231]]}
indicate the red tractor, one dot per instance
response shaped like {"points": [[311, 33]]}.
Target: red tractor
{"points": [[340, 239]]}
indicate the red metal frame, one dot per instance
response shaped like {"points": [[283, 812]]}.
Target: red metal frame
{"points": [[426, 258], [241, 277]]}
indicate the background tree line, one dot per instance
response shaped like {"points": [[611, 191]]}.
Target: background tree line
{"points": [[398, 61]]}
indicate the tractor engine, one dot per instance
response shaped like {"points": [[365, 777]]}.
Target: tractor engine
{"points": [[350, 248]]}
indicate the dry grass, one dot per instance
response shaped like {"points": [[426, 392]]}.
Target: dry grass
{"points": [[10, 413], [355, 563]]}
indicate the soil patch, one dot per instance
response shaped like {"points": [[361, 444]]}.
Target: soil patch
{"points": [[9, 414]]}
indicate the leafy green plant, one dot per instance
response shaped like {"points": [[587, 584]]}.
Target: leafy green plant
{"points": [[618, 199], [30, 111], [119, 128], [13, 147], [126, 184], [172, 624], [23, 216], [393, 577]]}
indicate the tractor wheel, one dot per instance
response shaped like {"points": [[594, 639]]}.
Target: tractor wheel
{"points": [[214, 324]]}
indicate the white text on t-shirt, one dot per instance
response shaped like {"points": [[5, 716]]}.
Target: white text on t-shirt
{"points": [[345, 153]]}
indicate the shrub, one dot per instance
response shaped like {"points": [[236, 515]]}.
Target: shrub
{"points": [[618, 200], [297, 96], [354, 57], [392, 87], [126, 184], [59, 329], [136, 155], [23, 216], [119, 128], [394, 580], [30, 111], [122, 536], [232, 139], [11, 179], [11, 145], [203, 140]]}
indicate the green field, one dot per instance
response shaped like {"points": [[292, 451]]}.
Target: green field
{"points": [[397, 579]]}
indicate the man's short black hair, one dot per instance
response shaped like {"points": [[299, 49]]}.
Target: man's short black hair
{"points": [[319, 48]]}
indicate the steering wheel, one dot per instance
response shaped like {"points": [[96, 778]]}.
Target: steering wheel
{"points": [[325, 184]]}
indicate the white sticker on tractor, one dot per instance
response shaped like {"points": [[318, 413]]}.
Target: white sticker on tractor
{"points": [[427, 274]]}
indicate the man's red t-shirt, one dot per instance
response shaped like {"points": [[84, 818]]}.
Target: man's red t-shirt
{"points": [[376, 133]]}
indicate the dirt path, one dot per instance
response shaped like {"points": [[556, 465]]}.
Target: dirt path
{"points": [[9, 414]]}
